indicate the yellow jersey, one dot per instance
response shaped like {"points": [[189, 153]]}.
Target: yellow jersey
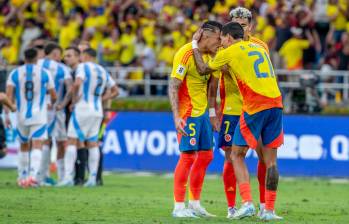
{"points": [[292, 52], [254, 73], [192, 94], [231, 100]]}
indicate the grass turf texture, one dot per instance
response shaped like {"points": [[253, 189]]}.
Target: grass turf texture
{"points": [[127, 198]]}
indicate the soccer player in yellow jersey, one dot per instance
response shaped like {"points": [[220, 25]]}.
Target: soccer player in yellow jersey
{"points": [[262, 106], [231, 107], [188, 96]]}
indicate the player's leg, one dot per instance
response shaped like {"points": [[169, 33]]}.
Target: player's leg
{"points": [[45, 163], [60, 135], [201, 134], [23, 155], [70, 154], [46, 151], [225, 141], [246, 134], [37, 134], [261, 175], [81, 164], [93, 161], [182, 171], [91, 134], [272, 136], [61, 145]]}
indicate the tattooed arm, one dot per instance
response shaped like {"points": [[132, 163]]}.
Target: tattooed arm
{"points": [[173, 95], [201, 66]]}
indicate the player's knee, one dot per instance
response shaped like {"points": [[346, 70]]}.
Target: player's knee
{"points": [[227, 154], [206, 156], [272, 178], [2, 97]]}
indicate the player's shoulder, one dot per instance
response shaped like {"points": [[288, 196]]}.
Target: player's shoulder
{"points": [[261, 43], [184, 53]]}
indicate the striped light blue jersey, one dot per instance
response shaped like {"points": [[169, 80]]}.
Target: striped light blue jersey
{"points": [[31, 83], [59, 73], [95, 81]]}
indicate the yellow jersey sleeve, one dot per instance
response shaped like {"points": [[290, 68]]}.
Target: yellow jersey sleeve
{"points": [[180, 63], [222, 58], [304, 44]]}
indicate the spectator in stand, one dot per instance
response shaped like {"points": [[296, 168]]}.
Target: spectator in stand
{"points": [[292, 50]]}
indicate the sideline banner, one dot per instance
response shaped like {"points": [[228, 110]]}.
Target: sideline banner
{"points": [[147, 141]]}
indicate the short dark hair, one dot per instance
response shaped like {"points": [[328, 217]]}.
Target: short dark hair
{"points": [[51, 47], [91, 52], [212, 26], [234, 29], [30, 54], [75, 49]]}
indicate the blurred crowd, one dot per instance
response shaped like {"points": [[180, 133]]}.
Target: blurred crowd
{"points": [[309, 34]]}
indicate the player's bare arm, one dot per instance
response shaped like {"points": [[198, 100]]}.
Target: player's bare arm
{"points": [[212, 96], [68, 96], [75, 90], [201, 66], [173, 95], [7, 102], [53, 95], [110, 93]]}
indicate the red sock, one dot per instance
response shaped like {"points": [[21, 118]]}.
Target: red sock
{"points": [[229, 181], [198, 172], [245, 192], [270, 197], [261, 173], [181, 174]]}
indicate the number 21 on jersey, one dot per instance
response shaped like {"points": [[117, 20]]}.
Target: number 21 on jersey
{"points": [[260, 59]]}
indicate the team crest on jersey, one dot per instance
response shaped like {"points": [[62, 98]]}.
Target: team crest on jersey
{"points": [[180, 70], [192, 141], [227, 137]]}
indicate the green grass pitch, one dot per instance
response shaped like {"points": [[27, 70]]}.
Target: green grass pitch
{"points": [[128, 198]]}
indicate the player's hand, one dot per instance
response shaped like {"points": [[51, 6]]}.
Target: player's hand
{"points": [[215, 123], [198, 34], [13, 108], [59, 107], [49, 107], [180, 124]]}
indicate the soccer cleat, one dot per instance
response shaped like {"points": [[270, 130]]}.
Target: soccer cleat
{"points": [[269, 215], [90, 183], [22, 183], [261, 210], [200, 211], [66, 183], [231, 212], [183, 213], [48, 182], [247, 210], [32, 182]]}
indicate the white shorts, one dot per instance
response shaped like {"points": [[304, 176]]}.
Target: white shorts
{"points": [[84, 127], [57, 127], [26, 133]]}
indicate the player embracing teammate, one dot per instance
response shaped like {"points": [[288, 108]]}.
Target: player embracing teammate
{"points": [[247, 76]]}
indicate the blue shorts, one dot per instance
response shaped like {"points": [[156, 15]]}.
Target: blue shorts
{"points": [[200, 134], [266, 124], [225, 137]]}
